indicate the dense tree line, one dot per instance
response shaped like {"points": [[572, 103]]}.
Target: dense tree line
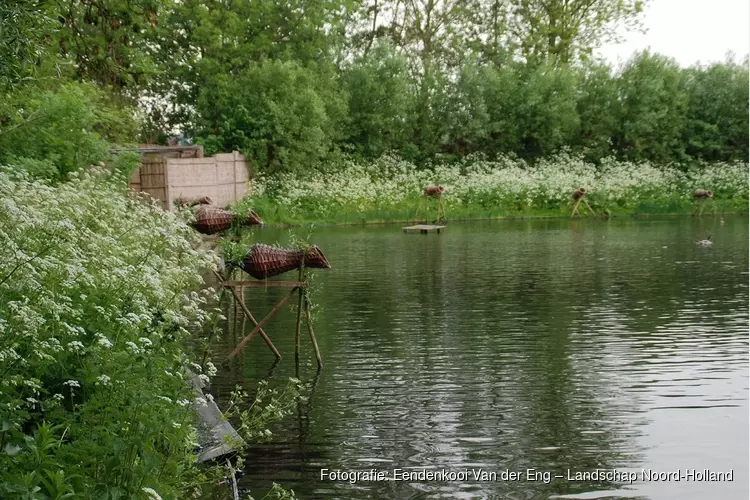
{"points": [[296, 83]]}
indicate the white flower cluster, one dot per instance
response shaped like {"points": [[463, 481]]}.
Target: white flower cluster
{"points": [[503, 182], [91, 275]]}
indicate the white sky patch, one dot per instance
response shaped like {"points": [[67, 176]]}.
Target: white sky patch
{"points": [[690, 31]]}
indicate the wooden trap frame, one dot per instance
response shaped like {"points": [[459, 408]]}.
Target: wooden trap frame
{"points": [[432, 192], [701, 199], [300, 287], [579, 195]]}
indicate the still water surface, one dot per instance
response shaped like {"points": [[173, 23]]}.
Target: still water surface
{"points": [[553, 345]]}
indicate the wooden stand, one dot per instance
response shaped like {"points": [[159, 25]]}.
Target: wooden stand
{"points": [[424, 200], [578, 202], [699, 205], [296, 286]]}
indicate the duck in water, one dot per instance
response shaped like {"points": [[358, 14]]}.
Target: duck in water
{"points": [[705, 243]]}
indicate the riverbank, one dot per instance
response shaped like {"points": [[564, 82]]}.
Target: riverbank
{"points": [[389, 191], [272, 216]]}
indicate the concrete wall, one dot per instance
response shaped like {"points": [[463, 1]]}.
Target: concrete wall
{"points": [[223, 177]]}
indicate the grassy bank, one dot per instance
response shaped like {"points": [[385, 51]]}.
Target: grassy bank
{"points": [[389, 190]]}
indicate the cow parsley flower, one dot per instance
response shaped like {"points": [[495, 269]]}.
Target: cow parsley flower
{"points": [[103, 341], [152, 494]]}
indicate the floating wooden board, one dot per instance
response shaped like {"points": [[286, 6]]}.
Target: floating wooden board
{"points": [[423, 228]]}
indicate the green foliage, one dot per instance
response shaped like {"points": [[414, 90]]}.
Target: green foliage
{"points": [[93, 316], [390, 189], [598, 111], [62, 130], [380, 98], [24, 26], [108, 41], [653, 109], [267, 405], [717, 117], [559, 32], [547, 110], [277, 112]]}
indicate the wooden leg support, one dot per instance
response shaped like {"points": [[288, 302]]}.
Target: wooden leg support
{"points": [[441, 210], [312, 334], [240, 299], [260, 325], [575, 207], [301, 293], [587, 204]]}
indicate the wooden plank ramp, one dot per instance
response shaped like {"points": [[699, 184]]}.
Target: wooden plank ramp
{"points": [[423, 228]]}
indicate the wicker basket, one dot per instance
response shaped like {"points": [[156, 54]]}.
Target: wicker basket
{"points": [[210, 219], [265, 261], [579, 193], [701, 194], [253, 219], [434, 190]]}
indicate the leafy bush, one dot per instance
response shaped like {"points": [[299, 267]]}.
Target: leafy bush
{"points": [[55, 132], [93, 314]]}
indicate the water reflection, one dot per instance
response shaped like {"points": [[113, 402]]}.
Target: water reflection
{"points": [[551, 345]]}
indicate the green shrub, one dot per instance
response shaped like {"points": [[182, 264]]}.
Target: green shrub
{"points": [[52, 133]]}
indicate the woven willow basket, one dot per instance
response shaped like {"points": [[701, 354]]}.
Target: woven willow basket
{"points": [[265, 261], [210, 219]]}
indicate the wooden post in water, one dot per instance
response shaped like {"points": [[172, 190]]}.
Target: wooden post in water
{"points": [[299, 311], [312, 334]]}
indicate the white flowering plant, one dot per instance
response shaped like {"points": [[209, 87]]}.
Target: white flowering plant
{"points": [[95, 309], [390, 188]]}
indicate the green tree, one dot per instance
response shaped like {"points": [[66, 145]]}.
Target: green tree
{"points": [[653, 109], [61, 130], [109, 41], [559, 32], [598, 108], [546, 112], [25, 26], [380, 101], [275, 111], [717, 116]]}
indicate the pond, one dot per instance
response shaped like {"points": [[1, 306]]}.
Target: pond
{"points": [[562, 346]]}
